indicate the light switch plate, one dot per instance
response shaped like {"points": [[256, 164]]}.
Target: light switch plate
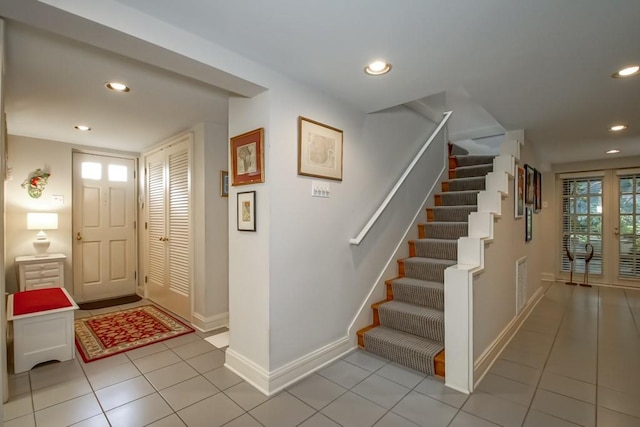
{"points": [[320, 189]]}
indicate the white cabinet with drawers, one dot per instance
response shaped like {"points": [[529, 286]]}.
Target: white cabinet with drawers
{"points": [[40, 272]]}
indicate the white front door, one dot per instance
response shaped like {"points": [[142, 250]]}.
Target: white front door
{"points": [[104, 252]]}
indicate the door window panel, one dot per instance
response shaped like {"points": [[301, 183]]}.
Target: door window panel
{"points": [[582, 223], [117, 173], [91, 170], [629, 227]]}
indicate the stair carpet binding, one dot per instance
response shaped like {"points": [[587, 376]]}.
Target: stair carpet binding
{"points": [[411, 320]]}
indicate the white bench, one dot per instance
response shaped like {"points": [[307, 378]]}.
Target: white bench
{"points": [[41, 334]]}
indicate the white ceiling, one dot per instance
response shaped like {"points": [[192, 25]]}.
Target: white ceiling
{"points": [[54, 83], [543, 66]]}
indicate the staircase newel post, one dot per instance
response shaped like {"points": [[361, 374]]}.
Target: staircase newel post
{"points": [[458, 338]]}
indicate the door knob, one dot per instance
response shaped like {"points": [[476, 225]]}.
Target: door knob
{"points": [[78, 236], [616, 232]]}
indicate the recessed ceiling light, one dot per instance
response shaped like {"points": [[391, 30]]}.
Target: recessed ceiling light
{"points": [[614, 151], [83, 128], [117, 87], [377, 68], [626, 72], [618, 128]]}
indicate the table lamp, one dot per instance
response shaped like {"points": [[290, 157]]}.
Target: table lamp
{"points": [[42, 221]]}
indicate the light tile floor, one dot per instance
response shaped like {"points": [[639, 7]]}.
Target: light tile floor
{"points": [[575, 361]]}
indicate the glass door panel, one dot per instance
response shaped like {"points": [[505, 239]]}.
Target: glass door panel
{"points": [[628, 227], [582, 224]]}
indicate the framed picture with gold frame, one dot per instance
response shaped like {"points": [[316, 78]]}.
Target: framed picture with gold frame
{"points": [[247, 157], [319, 150]]}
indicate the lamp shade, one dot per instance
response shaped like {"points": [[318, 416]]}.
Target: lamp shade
{"points": [[42, 221]]}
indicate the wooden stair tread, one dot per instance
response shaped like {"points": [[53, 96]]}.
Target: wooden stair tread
{"points": [[438, 363]]}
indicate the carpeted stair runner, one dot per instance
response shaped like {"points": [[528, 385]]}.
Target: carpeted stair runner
{"points": [[458, 198], [462, 184], [452, 213], [471, 171], [409, 326], [436, 248], [444, 230]]}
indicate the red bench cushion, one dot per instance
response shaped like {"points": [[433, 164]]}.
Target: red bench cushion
{"points": [[38, 300]]}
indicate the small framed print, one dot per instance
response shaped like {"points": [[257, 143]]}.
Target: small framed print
{"points": [[519, 187], [538, 191], [224, 184], [529, 186], [319, 150], [247, 211], [528, 229], [247, 157]]}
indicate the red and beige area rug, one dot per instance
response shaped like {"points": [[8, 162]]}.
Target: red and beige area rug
{"points": [[104, 335]]}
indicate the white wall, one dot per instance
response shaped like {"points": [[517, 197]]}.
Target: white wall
{"points": [[494, 289], [318, 279], [211, 255], [26, 155], [4, 389], [249, 255], [306, 282]]}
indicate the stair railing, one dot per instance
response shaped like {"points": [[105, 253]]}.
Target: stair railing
{"points": [[376, 215]]}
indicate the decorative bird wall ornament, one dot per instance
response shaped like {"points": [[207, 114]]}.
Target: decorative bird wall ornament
{"points": [[36, 182]]}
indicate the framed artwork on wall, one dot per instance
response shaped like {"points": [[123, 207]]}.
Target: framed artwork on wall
{"points": [[224, 184], [538, 191], [247, 211], [319, 150], [528, 235], [529, 186], [519, 192], [247, 157]]}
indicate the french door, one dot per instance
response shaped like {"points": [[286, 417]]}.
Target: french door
{"points": [[627, 228], [601, 225]]}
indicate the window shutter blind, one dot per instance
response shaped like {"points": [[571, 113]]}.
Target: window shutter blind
{"points": [[582, 222], [156, 224], [629, 226], [179, 221]]}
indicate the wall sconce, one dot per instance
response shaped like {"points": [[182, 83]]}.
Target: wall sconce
{"points": [[42, 221]]}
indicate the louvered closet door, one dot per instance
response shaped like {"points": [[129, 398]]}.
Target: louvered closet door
{"points": [[168, 229], [156, 213]]}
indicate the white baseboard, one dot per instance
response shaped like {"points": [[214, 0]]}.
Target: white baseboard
{"points": [[548, 277], [207, 324], [270, 383], [490, 355]]}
